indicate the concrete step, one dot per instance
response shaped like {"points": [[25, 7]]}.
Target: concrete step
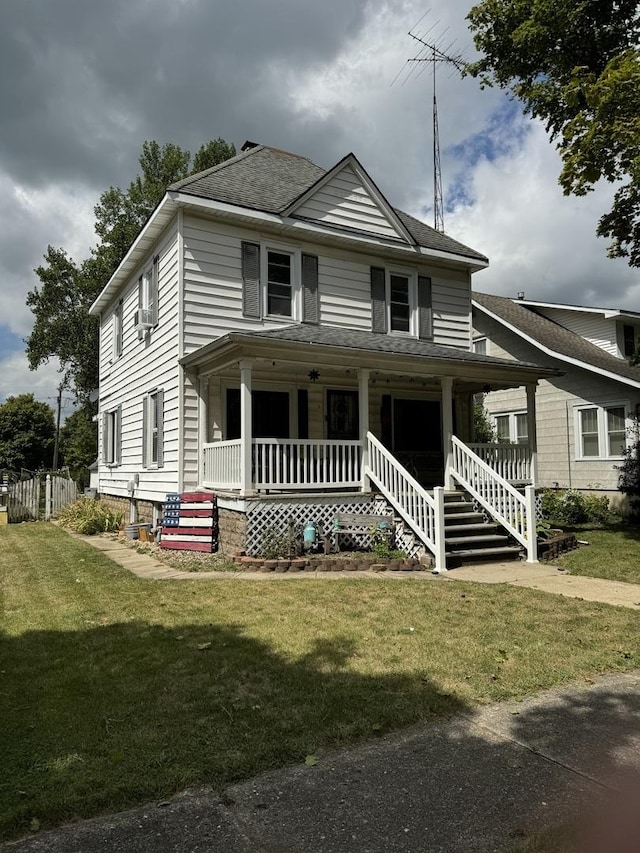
{"points": [[481, 527], [503, 552], [464, 518], [458, 506]]}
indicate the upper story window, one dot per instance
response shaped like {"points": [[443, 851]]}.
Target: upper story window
{"points": [[117, 330], [279, 281], [279, 284], [628, 340], [480, 346], [601, 431], [401, 302], [146, 317]]}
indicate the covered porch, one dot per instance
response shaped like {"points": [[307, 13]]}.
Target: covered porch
{"points": [[291, 410]]}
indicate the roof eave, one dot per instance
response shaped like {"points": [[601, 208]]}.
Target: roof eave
{"points": [[154, 226], [617, 377]]}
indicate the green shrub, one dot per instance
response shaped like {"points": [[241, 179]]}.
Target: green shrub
{"points": [[573, 507], [278, 542], [89, 516]]}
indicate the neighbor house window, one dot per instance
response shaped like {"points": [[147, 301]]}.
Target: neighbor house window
{"points": [[480, 346], [629, 340], [602, 431], [153, 429], [111, 432], [512, 428]]}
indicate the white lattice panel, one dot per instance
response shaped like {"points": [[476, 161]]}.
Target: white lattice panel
{"points": [[262, 515]]}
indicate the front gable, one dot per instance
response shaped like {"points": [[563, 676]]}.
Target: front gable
{"points": [[346, 197]]}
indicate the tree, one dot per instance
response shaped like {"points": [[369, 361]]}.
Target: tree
{"points": [[79, 443], [629, 470], [27, 431], [62, 328], [483, 431], [576, 65]]}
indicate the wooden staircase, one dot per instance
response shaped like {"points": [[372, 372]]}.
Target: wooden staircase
{"points": [[469, 537]]}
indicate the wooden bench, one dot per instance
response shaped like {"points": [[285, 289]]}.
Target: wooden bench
{"points": [[361, 524]]}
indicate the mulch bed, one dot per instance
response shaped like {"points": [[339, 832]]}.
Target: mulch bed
{"points": [[329, 563]]}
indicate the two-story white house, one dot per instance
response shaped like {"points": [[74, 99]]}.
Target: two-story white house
{"points": [[282, 335], [585, 413]]}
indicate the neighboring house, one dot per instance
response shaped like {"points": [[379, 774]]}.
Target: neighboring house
{"points": [[282, 335], [583, 415]]}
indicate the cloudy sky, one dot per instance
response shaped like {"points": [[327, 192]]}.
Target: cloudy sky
{"points": [[83, 83]]}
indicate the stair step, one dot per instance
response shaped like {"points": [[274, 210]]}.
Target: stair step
{"points": [[486, 553], [463, 517], [476, 540], [461, 506], [472, 528]]}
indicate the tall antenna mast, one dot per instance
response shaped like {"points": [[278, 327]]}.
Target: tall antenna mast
{"points": [[438, 206], [433, 53]]}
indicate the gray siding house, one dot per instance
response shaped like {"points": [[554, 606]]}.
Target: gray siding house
{"points": [[584, 415], [281, 334]]}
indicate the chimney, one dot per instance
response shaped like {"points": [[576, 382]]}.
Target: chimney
{"points": [[521, 294]]}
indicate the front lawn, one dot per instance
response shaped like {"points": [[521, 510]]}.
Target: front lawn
{"points": [[116, 690], [613, 553]]}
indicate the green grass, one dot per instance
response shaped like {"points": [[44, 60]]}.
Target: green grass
{"points": [[115, 690], [613, 553]]}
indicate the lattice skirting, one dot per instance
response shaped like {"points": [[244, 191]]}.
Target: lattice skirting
{"points": [[263, 515]]}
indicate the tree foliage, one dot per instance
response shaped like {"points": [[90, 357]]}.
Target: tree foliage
{"points": [[27, 431], [78, 443], [629, 470], [483, 431], [62, 327], [575, 64]]}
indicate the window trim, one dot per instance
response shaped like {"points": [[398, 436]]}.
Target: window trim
{"points": [[513, 421], [603, 432], [112, 437], [295, 254]]}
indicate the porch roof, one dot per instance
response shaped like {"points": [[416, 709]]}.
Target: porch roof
{"points": [[358, 348]]}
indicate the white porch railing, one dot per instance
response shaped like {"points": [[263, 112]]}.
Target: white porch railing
{"points": [[424, 514], [222, 464], [515, 511], [285, 463], [295, 463], [511, 461]]}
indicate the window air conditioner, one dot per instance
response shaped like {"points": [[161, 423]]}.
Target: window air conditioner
{"points": [[143, 319]]}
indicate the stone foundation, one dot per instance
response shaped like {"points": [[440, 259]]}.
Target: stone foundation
{"points": [[144, 509], [233, 530]]}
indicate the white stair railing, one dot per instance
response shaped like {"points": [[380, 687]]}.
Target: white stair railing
{"points": [[513, 510], [423, 513]]}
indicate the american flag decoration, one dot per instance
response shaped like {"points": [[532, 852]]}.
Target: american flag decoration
{"points": [[190, 522]]}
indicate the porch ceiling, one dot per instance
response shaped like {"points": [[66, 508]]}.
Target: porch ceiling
{"points": [[305, 346]]}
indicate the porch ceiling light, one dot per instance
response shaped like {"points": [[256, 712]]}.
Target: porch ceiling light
{"points": [[313, 375]]}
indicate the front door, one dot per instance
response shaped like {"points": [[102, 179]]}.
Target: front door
{"points": [[343, 423]]}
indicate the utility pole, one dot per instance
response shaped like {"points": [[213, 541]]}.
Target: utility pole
{"points": [[57, 441]]}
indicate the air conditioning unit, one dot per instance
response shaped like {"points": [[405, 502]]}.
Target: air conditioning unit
{"points": [[143, 319]]}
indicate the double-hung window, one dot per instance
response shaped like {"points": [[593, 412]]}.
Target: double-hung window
{"points": [[512, 428], [146, 317], [601, 431], [117, 330], [153, 429], [479, 346], [401, 302], [111, 440], [279, 281]]}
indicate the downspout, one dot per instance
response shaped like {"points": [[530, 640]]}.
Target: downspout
{"points": [[566, 406]]}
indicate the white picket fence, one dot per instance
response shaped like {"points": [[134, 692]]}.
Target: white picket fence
{"points": [[25, 497]]}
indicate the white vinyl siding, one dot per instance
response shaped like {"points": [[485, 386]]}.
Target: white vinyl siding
{"points": [[594, 328], [345, 202], [148, 362]]}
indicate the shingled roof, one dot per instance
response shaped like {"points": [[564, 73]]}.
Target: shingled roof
{"points": [[554, 339], [270, 180]]}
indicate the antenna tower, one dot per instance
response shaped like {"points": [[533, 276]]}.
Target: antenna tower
{"points": [[433, 53]]}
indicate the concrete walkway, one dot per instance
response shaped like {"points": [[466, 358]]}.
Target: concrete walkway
{"points": [[542, 576], [480, 782]]}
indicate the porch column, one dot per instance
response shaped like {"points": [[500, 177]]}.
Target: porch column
{"points": [[446, 384], [203, 420], [532, 431], [363, 412], [246, 447]]}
